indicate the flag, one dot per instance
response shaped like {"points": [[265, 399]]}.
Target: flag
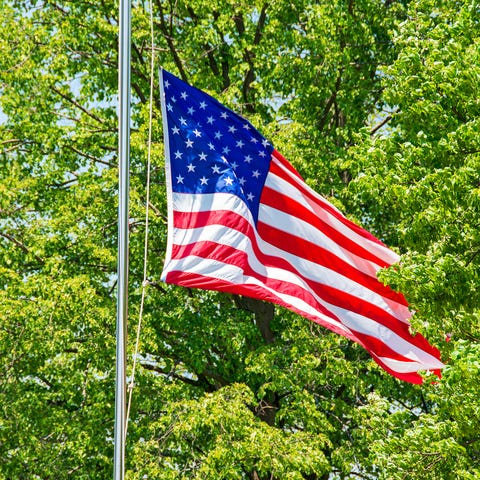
{"points": [[242, 220]]}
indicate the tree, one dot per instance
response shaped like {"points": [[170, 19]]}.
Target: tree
{"points": [[419, 184], [228, 387]]}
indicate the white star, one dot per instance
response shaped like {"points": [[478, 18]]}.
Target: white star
{"points": [[246, 126], [248, 159], [218, 135], [203, 180], [167, 84], [182, 121], [174, 100], [250, 197], [224, 115], [191, 168], [229, 181], [234, 165], [255, 173], [202, 156], [232, 129], [211, 146], [179, 179], [191, 110], [197, 133], [265, 142], [203, 105], [254, 140], [216, 169], [210, 120], [169, 107], [242, 181], [175, 130], [189, 143], [184, 95], [262, 153], [226, 150], [178, 154], [240, 144]]}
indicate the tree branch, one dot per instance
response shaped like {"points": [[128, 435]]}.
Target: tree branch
{"points": [[323, 119], [172, 374], [171, 45], [90, 157], [249, 55], [383, 122], [66, 183], [263, 311], [76, 104], [22, 246]]}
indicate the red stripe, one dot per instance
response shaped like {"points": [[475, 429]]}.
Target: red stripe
{"points": [[226, 218], [412, 377], [286, 164], [381, 349], [238, 258], [321, 256], [276, 200], [274, 168]]}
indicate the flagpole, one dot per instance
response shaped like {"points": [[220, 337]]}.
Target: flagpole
{"points": [[123, 218]]}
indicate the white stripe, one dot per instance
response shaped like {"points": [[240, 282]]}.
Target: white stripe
{"points": [[410, 367], [280, 185], [299, 181], [298, 227], [206, 202], [367, 326]]}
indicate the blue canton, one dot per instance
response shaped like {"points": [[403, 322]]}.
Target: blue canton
{"points": [[212, 149]]}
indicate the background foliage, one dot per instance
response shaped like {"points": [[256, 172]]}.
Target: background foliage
{"points": [[377, 105]]}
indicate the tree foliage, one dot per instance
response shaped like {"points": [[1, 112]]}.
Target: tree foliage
{"points": [[377, 105]]}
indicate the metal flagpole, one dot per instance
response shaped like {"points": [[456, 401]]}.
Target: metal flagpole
{"points": [[123, 217]]}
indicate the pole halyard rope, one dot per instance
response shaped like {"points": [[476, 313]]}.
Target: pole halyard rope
{"points": [[131, 385]]}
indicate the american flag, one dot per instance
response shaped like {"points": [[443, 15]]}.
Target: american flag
{"points": [[242, 220]]}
